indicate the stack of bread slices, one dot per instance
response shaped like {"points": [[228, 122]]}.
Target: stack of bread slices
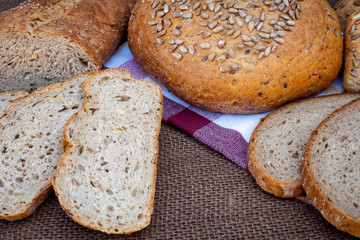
{"points": [[313, 145], [93, 138]]}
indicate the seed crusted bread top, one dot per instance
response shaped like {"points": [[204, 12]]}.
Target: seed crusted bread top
{"points": [[344, 8], [238, 57], [330, 170], [45, 41], [106, 178], [6, 98], [30, 140], [278, 142]]}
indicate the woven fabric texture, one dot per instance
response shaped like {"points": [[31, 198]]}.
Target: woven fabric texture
{"points": [[199, 195]]}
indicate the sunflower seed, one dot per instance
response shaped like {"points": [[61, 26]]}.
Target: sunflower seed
{"points": [[233, 10], [213, 24], [281, 7], [248, 18], [236, 34], [267, 51], [280, 33], [191, 49], [217, 8], [279, 40], [217, 16], [264, 35], [154, 4], [218, 29], [196, 5], [242, 13], [173, 48], [198, 31], [231, 20], [250, 44], [230, 52], [225, 69], [292, 15], [167, 23], [178, 56], [291, 23], [183, 49], [281, 23], [272, 8], [212, 56], [251, 26], [297, 14], [204, 15], [178, 14], [152, 22], [277, 2], [273, 21], [245, 38], [166, 8], [171, 41], [179, 41], [205, 45], [239, 6], [356, 63], [274, 47], [153, 14], [285, 16], [183, 7], [255, 38], [187, 15], [221, 58], [159, 41], [286, 2], [354, 73], [261, 24], [211, 6], [268, 2], [266, 30], [261, 55], [206, 34], [230, 32], [225, 16], [162, 32]]}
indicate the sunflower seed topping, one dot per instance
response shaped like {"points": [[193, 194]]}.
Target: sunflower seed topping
{"points": [[178, 56], [191, 49], [212, 56], [213, 24], [221, 43], [225, 69], [279, 40], [159, 41], [205, 45]]}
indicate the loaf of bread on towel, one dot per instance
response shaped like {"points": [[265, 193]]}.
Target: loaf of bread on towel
{"points": [[30, 140], [331, 168], [106, 178], [6, 98], [278, 142], [46, 41]]}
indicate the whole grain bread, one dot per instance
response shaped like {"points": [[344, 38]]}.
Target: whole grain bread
{"points": [[351, 77], [331, 168], [106, 178], [30, 140], [6, 98], [278, 142], [243, 57], [46, 41], [344, 8]]}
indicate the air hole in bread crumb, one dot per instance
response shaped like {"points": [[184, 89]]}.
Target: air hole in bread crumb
{"points": [[17, 136], [99, 223], [19, 179], [356, 205], [42, 156], [134, 192], [140, 216], [1, 183], [109, 192]]}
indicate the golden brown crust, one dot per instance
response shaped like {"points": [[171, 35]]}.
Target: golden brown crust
{"points": [[97, 26], [351, 77], [306, 63], [319, 198], [67, 143]]}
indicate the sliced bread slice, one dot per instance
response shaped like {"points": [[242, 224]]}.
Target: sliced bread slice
{"points": [[278, 142], [331, 168], [6, 98], [106, 178], [30, 140]]}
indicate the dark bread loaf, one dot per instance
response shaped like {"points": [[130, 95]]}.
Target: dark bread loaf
{"points": [[243, 57], [331, 168], [46, 41]]}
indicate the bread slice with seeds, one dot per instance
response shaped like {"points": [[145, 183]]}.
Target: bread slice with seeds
{"points": [[30, 140], [6, 98], [331, 168], [106, 178], [278, 142]]}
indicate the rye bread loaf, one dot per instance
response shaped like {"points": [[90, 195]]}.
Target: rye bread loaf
{"points": [[278, 142], [46, 41], [106, 178], [243, 57], [331, 168], [30, 140], [6, 98]]}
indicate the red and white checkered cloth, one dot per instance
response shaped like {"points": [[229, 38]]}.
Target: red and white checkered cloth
{"points": [[226, 133]]}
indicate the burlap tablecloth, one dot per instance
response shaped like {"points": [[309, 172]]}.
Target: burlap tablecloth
{"points": [[199, 195]]}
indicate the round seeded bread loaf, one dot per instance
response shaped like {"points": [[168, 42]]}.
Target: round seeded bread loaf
{"points": [[238, 57]]}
